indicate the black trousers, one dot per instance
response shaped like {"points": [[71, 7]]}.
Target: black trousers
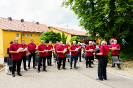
{"points": [[102, 64], [31, 55], [88, 60], [114, 63], [79, 55], [14, 65], [49, 60], [24, 61], [60, 60], [40, 60]]}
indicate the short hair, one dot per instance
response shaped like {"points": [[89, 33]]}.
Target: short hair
{"points": [[15, 38], [78, 42], [74, 41], [22, 40], [103, 42], [31, 39], [90, 42], [115, 40], [50, 41], [42, 40]]}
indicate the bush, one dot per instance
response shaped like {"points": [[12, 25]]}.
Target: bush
{"points": [[75, 38]]}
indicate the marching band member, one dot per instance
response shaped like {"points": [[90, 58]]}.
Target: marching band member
{"points": [[31, 48], [115, 51], [49, 53], [23, 54], [68, 48], [103, 60], [61, 55], [89, 53], [42, 49], [55, 52], [16, 56], [79, 51], [73, 54]]}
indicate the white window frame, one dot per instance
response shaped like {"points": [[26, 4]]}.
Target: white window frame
{"points": [[26, 35], [22, 35], [17, 35], [30, 35]]}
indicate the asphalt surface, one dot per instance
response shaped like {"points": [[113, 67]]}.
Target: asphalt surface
{"points": [[69, 78]]}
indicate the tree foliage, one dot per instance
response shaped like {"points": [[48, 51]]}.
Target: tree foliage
{"points": [[50, 36], [105, 18], [75, 38], [63, 37]]}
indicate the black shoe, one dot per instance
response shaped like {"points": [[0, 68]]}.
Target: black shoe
{"points": [[38, 71], [50, 65], [19, 74], [119, 67], [59, 69], [113, 66], [105, 78], [34, 67], [64, 68], [99, 79], [28, 67], [86, 66], [13, 75], [90, 67], [25, 69], [44, 70]]}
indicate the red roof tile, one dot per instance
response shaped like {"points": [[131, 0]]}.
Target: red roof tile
{"points": [[70, 31], [17, 25]]}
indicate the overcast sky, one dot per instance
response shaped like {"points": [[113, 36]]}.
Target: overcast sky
{"points": [[47, 12]]}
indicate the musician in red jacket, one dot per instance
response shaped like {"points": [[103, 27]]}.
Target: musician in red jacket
{"points": [[49, 54], [42, 49], [31, 48], [16, 56]]}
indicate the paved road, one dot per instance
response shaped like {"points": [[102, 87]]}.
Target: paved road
{"points": [[69, 78]]}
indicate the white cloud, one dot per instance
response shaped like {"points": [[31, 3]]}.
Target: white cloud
{"points": [[47, 12]]}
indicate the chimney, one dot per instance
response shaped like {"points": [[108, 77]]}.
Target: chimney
{"points": [[37, 23], [22, 20], [10, 18]]}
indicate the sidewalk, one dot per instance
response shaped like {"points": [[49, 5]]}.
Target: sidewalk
{"points": [[69, 78]]}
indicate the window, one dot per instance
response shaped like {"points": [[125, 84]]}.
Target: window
{"points": [[22, 35], [26, 35], [17, 35], [35, 35], [30, 35], [38, 35]]}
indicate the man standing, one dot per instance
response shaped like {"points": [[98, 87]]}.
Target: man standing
{"points": [[73, 54], [61, 55], [68, 48], [55, 52], [42, 49], [49, 53], [16, 56], [89, 53], [103, 60], [23, 54], [93, 44], [31, 48], [115, 51], [79, 51]]}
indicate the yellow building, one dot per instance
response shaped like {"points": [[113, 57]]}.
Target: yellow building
{"points": [[23, 30], [10, 29]]}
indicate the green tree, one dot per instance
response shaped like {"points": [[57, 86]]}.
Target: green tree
{"points": [[63, 37], [75, 38], [105, 18], [50, 36]]}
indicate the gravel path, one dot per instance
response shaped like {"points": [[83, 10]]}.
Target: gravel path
{"points": [[69, 78]]}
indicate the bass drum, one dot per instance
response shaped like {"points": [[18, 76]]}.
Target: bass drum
{"points": [[68, 55]]}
